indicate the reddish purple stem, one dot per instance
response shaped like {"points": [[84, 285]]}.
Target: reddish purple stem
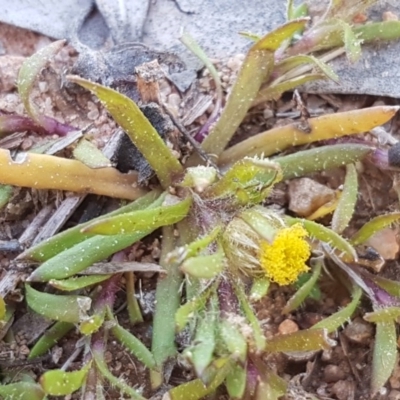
{"points": [[11, 123]]}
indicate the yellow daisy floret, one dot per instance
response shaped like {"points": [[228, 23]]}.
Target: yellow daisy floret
{"points": [[285, 258]]}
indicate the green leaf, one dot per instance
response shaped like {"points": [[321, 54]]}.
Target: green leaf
{"points": [[90, 155], [50, 338], [386, 314], [305, 340], [378, 31], [143, 135], [5, 195], [70, 237], [2, 308], [347, 202], [134, 346], [77, 283], [83, 255], [248, 181], [271, 386], [145, 220], [321, 128], [196, 390], [236, 382], [384, 356], [305, 290], [290, 63], [373, 226], [256, 68], [191, 307], [22, 391], [201, 352], [192, 249], [259, 288], [67, 308], [259, 338], [275, 91], [273, 40], [204, 267], [321, 158], [92, 324], [392, 287], [28, 73], [336, 320], [352, 44], [234, 340], [325, 234], [61, 383]]}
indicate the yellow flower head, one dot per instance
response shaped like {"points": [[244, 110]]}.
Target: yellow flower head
{"points": [[285, 258]]}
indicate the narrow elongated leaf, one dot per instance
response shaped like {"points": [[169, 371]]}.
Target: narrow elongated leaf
{"points": [[191, 307], [256, 68], [234, 340], [392, 287], [386, 314], [143, 135], [290, 63], [321, 128], [204, 267], [22, 391], [26, 170], [27, 75], [259, 289], [352, 43], [76, 283], [384, 356], [61, 383], [83, 255], [321, 158], [259, 338], [373, 226], [92, 324], [248, 181], [2, 308], [50, 338], [5, 195], [135, 221], [201, 353], [378, 31], [298, 298], [134, 346], [306, 340], [325, 234], [336, 320], [275, 91], [58, 307], [196, 390], [90, 155], [70, 237], [236, 381], [347, 202], [98, 355]]}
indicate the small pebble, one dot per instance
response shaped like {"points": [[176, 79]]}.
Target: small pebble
{"points": [[343, 390], [307, 195], [359, 331], [389, 16], [385, 243], [394, 395], [332, 373], [287, 326]]}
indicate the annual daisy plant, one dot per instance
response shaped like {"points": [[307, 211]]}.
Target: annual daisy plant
{"points": [[222, 245]]}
